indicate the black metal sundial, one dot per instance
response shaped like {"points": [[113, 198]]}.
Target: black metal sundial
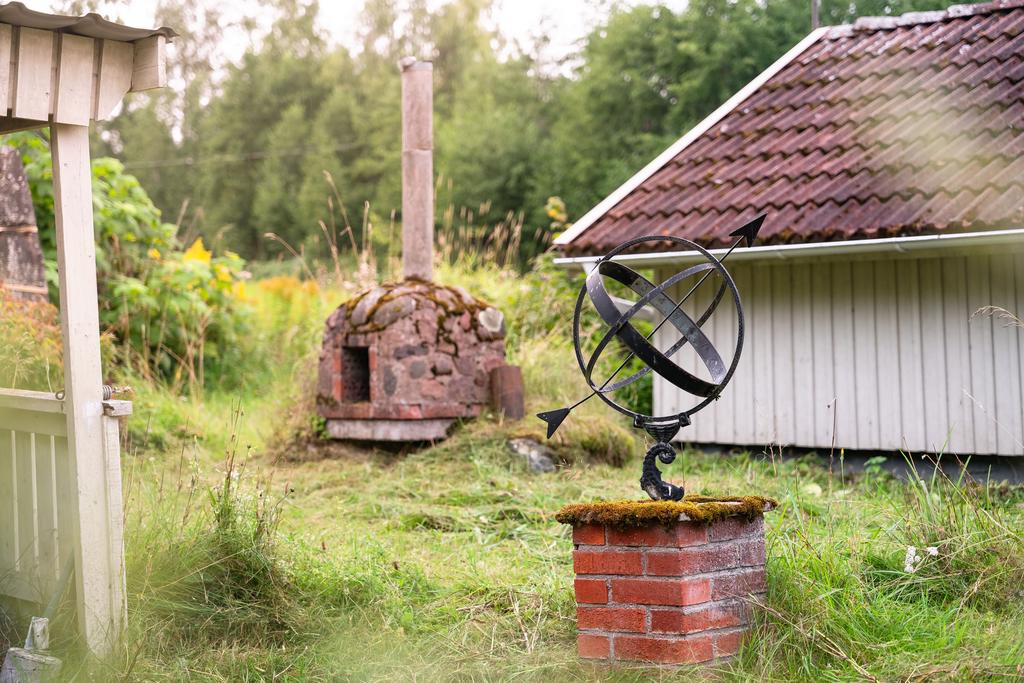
{"points": [[663, 428]]}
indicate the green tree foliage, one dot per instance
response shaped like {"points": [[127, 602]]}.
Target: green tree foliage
{"points": [[247, 154]]}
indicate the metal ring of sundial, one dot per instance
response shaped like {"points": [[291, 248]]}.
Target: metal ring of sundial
{"points": [[655, 360]]}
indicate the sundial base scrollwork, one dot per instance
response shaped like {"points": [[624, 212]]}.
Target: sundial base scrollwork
{"points": [[663, 450]]}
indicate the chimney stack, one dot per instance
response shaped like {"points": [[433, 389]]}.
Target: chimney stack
{"points": [[417, 169]]}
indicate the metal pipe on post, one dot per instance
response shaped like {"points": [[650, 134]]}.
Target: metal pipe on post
{"points": [[417, 169]]}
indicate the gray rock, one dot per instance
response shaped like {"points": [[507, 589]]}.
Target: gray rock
{"points": [[467, 298], [393, 310], [407, 350], [538, 457], [445, 299], [492, 323], [443, 366], [390, 381], [365, 305], [466, 366], [417, 369]]}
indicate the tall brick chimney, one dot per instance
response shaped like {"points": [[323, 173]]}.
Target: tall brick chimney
{"points": [[417, 169]]}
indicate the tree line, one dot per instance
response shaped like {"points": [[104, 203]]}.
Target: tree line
{"points": [[297, 133]]}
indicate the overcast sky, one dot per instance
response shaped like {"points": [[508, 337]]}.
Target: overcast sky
{"points": [[565, 21]]}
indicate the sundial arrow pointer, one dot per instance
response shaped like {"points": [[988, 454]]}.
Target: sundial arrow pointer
{"points": [[554, 418], [750, 230]]}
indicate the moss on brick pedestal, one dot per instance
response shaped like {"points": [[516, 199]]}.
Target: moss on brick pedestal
{"points": [[632, 513], [666, 583]]}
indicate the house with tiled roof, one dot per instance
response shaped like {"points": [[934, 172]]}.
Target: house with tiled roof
{"points": [[889, 159]]}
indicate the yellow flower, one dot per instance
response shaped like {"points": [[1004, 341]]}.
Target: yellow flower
{"points": [[223, 274], [153, 253], [197, 252], [239, 291]]}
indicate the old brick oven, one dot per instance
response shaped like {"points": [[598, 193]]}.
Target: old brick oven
{"points": [[403, 361]]}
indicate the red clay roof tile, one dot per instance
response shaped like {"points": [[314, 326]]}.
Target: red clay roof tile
{"points": [[894, 126]]}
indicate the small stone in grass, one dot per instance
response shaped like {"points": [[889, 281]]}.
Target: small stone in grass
{"points": [[538, 457]]}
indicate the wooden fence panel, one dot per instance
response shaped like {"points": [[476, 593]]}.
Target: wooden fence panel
{"points": [[35, 468], [37, 482]]}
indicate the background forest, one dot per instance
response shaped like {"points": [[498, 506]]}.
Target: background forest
{"points": [[233, 154]]}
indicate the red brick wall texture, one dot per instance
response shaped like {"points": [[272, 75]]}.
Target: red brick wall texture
{"points": [[676, 595]]}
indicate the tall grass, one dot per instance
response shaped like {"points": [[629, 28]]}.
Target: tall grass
{"points": [[847, 601], [446, 564], [961, 546], [30, 350]]}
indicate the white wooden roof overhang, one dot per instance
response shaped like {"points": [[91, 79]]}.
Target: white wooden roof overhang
{"points": [[72, 70]]}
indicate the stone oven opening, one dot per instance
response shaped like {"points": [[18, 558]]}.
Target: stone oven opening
{"points": [[355, 374]]}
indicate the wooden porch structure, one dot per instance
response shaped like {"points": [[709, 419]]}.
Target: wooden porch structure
{"points": [[60, 476]]}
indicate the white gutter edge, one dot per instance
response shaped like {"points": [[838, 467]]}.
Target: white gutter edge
{"points": [[848, 247], [679, 145]]}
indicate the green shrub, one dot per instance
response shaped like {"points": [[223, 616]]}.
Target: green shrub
{"points": [[176, 314], [183, 317]]}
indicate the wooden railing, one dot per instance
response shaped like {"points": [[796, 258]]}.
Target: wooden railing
{"points": [[38, 496]]}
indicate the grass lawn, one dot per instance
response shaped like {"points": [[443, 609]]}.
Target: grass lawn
{"points": [[257, 553], [447, 564]]}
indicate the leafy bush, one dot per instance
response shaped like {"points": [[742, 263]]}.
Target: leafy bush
{"points": [[176, 314], [183, 315]]}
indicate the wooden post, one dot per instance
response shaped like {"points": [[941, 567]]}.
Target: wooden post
{"points": [[98, 581], [417, 169], [507, 391]]}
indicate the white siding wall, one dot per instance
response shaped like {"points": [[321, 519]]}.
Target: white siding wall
{"points": [[878, 354]]}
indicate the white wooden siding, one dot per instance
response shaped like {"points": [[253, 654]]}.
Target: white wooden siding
{"points": [[875, 354], [47, 76], [39, 530], [36, 529]]}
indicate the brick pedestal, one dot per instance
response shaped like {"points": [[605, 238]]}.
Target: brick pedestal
{"points": [[676, 594]]}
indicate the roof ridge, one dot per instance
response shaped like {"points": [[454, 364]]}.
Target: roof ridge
{"points": [[882, 23]]}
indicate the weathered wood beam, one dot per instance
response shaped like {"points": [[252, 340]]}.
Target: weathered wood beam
{"points": [[99, 577], [150, 69], [52, 77]]}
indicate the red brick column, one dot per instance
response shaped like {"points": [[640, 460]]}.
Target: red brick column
{"points": [[668, 595]]}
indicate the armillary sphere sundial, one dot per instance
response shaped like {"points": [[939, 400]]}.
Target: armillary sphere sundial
{"points": [[663, 428]]}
